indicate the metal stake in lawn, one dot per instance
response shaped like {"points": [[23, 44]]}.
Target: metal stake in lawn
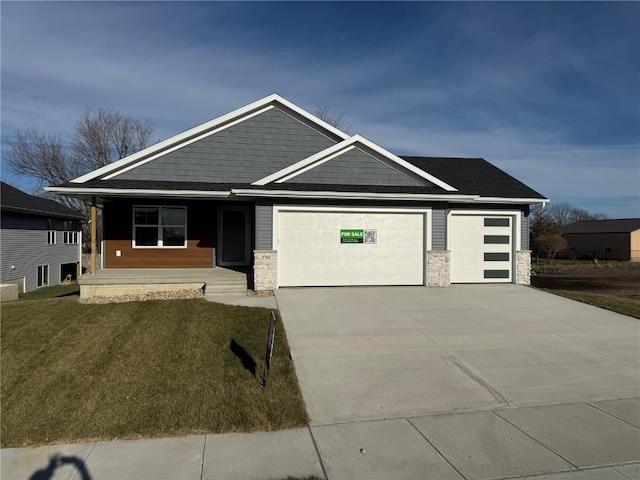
{"points": [[270, 339]]}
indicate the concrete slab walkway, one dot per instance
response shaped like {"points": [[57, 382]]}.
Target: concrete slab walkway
{"points": [[557, 442]]}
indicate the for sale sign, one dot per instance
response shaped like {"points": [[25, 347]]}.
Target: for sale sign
{"points": [[351, 236]]}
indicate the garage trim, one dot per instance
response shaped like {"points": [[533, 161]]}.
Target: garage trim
{"points": [[425, 211], [516, 242]]}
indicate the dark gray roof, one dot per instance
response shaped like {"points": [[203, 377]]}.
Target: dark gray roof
{"points": [[619, 225], [17, 201], [470, 176], [474, 176]]}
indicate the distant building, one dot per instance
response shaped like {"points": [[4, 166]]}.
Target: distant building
{"points": [[40, 240], [617, 239]]}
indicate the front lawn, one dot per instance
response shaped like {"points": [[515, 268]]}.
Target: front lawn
{"points": [[73, 372]]}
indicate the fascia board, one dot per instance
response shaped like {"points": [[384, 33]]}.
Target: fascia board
{"points": [[542, 201], [137, 192], [248, 192], [212, 124]]}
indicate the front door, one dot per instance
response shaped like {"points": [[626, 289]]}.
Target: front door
{"points": [[234, 241]]}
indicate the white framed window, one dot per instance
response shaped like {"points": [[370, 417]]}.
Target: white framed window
{"points": [[51, 231], [71, 237], [159, 227], [43, 275], [71, 234]]}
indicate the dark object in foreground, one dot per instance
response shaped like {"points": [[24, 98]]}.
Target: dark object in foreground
{"points": [[270, 339]]}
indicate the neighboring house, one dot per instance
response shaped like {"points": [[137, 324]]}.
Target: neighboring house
{"points": [[274, 189], [617, 239], [40, 240]]}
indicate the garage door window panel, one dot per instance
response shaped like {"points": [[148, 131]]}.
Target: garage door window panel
{"points": [[496, 257], [497, 239], [496, 222], [495, 274]]}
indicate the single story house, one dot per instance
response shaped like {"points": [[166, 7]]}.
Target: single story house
{"points": [[617, 239], [274, 189], [40, 240]]}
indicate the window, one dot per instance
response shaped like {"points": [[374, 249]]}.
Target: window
{"points": [[496, 239], [71, 231], [43, 275], [496, 222], [496, 274], [496, 257], [51, 231], [71, 237], [159, 226]]}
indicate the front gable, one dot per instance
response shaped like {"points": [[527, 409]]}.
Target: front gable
{"points": [[357, 167], [242, 153]]}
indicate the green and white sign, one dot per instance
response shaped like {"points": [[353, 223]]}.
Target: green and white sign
{"points": [[351, 236], [358, 236]]}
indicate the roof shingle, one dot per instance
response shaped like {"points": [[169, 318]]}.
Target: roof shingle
{"points": [[17, 201]]}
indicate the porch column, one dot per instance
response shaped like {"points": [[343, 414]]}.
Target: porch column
{"points": [[94, 236]]}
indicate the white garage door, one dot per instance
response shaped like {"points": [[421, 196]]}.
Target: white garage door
{"points": [[324, 248], [481, 248]]}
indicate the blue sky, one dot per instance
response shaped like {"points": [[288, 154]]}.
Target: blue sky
{"points": [[549, 92]]}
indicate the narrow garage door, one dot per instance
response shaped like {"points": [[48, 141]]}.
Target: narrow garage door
{"points": [[324, 248], [481, 248]]}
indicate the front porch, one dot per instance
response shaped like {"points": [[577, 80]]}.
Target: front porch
{"points": [[114, 282]]}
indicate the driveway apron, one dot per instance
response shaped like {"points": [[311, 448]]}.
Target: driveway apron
{"points": [[370, 353]]}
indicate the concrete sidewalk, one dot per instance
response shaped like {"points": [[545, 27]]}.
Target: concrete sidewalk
{"points": [[587, 441]]}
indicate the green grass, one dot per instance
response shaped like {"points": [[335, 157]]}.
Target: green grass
{"points": [[73, 372], [625, 306], [72, 289]]}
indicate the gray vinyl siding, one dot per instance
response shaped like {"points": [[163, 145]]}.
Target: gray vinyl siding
{"points": [[23, 240], [356, 167], [264, 226], [439, 229], [242, 153], [524, 232]]}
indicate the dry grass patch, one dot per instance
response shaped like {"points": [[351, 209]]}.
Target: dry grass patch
{"points": [[625, 306], [73, 372]]}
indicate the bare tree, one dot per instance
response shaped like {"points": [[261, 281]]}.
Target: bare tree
{"points": [[336, 119], [99, 138], [551, 245], [41, 156], [102, 136], [563, 214]]}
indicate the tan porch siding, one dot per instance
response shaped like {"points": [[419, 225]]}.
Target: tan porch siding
{"points": [[118, 232]]}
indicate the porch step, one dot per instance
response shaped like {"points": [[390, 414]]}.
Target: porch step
{"points": [[226, 288]]}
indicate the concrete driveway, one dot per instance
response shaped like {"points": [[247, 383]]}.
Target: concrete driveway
{"points": [[388, 352]]}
